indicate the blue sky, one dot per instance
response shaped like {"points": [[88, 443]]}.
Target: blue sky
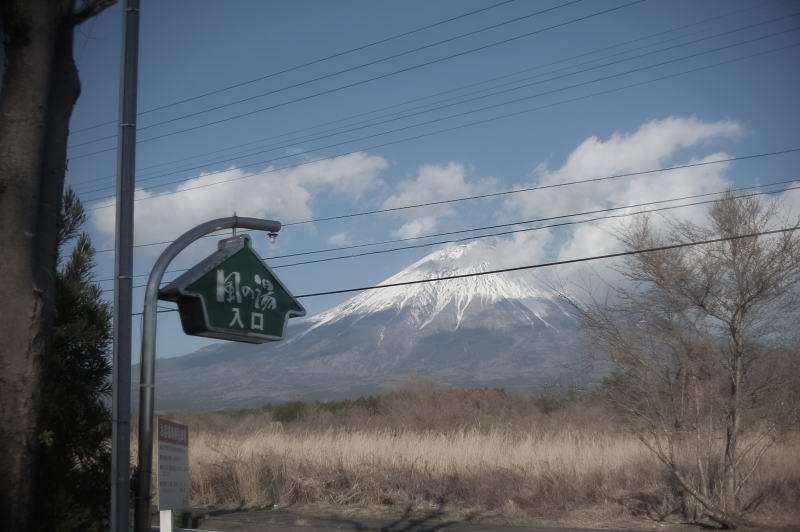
{"points": [[536, 110]]}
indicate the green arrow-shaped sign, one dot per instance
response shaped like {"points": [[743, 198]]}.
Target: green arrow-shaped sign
{"points": [[233, 295]]}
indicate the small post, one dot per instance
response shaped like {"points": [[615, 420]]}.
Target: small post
{"points": [[165, 521]]}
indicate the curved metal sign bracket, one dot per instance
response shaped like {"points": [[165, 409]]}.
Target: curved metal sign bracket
{"points": [[147, 375]]}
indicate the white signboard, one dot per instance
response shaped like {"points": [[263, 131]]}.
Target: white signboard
{"points": [[173, 465]]}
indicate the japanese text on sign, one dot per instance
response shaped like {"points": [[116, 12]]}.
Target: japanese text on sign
{"points": [[255, 298]]}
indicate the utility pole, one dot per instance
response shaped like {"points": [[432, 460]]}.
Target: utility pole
{"points": [[123, 271]]}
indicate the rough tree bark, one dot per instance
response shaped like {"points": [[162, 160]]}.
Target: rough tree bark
{"points": [[40, 87]]}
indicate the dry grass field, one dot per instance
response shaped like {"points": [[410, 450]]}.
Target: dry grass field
{"points": [[474, 450]]}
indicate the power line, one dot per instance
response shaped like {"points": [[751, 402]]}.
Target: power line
{"points": [[514, 191], [440, 93], [498, 117], [360, 82], [549, 264], [511, 224], [189, 115], [543, 187], [306, 64], [529, 229], [516, 231], [554, 263], [567, 101], [358, 67], [329, 75], [475, 98]]}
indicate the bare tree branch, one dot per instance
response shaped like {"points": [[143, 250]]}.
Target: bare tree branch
{"points": [[693, 340]]}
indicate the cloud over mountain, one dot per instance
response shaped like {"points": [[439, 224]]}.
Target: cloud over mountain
{"points": [[286, 194]]}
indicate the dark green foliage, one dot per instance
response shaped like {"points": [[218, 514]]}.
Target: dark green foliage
{"points": [[288, 412], [74, 456], [369, 403]]}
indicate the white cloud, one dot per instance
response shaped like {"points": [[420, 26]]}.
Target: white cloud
{"points": [[655, 144], [418, 226], [651, 146], [433, 183], [349, 176], [280, 195], [341, 239], [523, 248]]}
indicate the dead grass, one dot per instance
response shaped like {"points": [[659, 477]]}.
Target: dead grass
{"points": [[557, 466], [402, 467]]}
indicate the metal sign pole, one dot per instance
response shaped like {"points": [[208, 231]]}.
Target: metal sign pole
{"points": [[148, 360]]}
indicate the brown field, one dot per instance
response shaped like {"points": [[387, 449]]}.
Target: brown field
{"points": [[485, 451]]}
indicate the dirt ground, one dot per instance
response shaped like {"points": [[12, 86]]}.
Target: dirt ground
{"points": [[323, 519]]}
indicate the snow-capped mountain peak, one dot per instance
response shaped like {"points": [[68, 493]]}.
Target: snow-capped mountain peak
{"points": [[426, 300], [477, 330]]}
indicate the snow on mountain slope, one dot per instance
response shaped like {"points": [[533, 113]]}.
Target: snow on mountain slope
{"points": [[425, 301], [478, 330]]}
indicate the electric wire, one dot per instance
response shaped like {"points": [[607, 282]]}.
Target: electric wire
{"points": [[461, 102], [523, 230], [356, 83], [490, 119], [272, 92], [511, 192], [259, 163], [440, 93], [303, 65], [513, 224], [331, 74], [656, 249], [555, 263], [510, 224], [357, 67]]}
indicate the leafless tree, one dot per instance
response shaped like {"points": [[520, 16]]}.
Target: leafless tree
{"points": [[699, 340], [39, 88]]}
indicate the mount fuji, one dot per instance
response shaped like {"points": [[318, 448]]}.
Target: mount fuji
{"points": [[497, 330]]}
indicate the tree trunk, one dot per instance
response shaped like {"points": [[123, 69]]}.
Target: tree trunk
{"points": [[727, 519], [40, 86], [730, 477]]}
